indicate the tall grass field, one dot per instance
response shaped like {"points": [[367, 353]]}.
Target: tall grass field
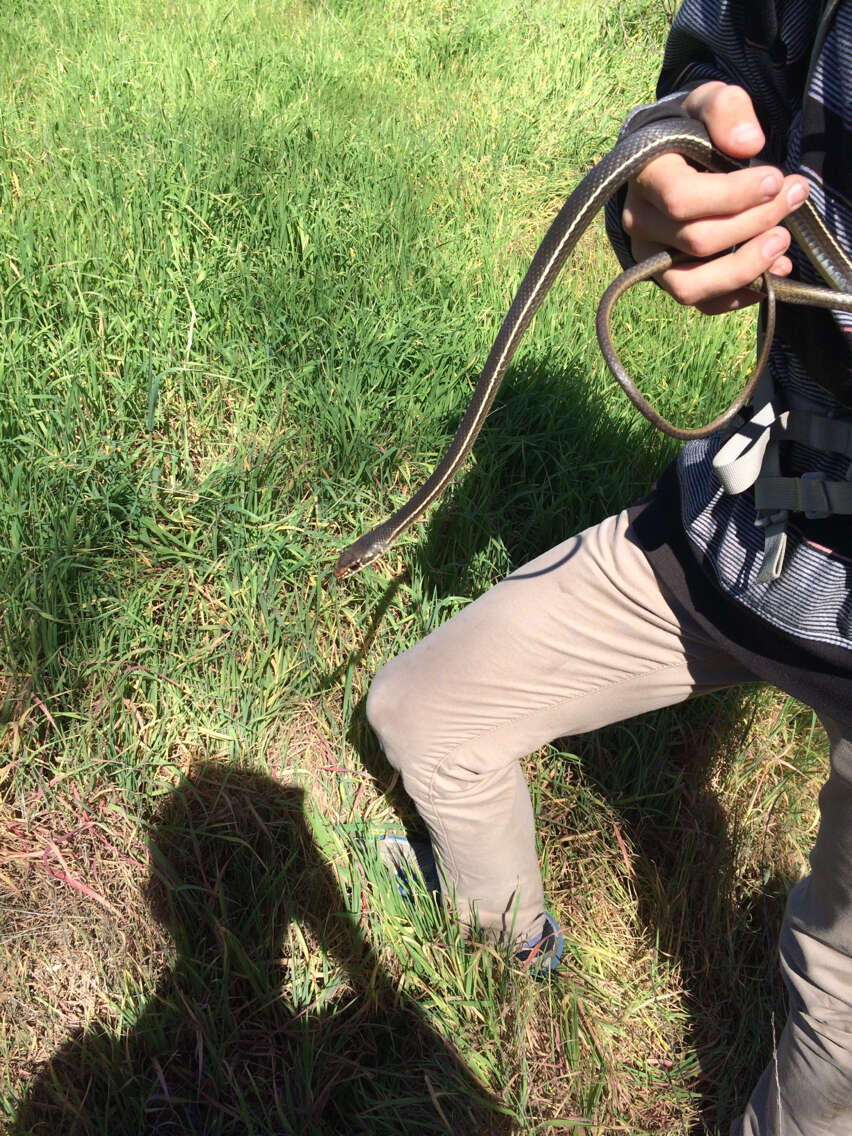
{"points": [[253, 254]]}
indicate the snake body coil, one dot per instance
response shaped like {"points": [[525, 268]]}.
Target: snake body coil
{"points": [[681, 136]]}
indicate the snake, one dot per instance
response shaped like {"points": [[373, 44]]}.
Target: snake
{"points": [[684, 136]]}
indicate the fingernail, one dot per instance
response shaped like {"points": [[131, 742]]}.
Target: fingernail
{"points": [[797, 193], [774, 247], [770, 185], [745, 133]]}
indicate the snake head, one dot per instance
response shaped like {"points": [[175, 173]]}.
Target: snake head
{"points": [[344, 568], [359, 554]]}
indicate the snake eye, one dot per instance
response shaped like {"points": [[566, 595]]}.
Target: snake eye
{"points": [[341, 571]]}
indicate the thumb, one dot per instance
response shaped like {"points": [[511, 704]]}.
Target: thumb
{"points": [[728, 113]]}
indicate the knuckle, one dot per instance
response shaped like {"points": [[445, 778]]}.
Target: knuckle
{"points": [[735, 91], [732, 95], [681, 289], [697, 241], [675, 202], [686, 297], [698, 98]]}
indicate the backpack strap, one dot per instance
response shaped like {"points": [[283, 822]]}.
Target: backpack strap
{"points": [[752, 457]]}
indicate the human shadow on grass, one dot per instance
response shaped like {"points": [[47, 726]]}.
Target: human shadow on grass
{"points": [[242, 1036], [551, 461]]}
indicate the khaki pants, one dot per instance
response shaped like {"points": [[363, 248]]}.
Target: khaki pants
{"points": [[577, 639]]}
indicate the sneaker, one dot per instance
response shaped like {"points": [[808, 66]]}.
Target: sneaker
{"points": [[414, 867], [412, 863], [541, 955]]}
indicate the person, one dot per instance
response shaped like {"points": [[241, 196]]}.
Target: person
{"points": [[707, 583]]}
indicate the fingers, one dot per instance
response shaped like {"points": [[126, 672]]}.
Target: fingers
{"points": [[674, 187], [672, 205], [728, 113], [721, 284], [703, 214]]}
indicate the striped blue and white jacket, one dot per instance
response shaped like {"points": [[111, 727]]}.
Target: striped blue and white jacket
{"points": [[801, 87]]}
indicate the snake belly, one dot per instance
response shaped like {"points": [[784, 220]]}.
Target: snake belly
{"points": [[682, 136]]}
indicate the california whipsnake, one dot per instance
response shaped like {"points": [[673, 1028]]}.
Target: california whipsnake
{"points": [[623, 162]]}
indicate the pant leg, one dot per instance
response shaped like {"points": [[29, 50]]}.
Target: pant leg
{"points": [[576, 639], [807, 1089]]}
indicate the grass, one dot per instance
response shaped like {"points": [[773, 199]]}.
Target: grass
{"points": [[253, 256]]}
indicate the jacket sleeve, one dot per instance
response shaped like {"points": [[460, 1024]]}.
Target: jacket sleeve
{"points": [[763, 46]]}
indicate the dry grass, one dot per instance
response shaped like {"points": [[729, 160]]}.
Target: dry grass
{"points": [[76, 931]]}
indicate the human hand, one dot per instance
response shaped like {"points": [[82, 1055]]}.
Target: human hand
{"points": [[672, 205]]}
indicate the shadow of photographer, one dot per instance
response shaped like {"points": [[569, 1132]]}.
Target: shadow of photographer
{"points": [[277, 1017]]}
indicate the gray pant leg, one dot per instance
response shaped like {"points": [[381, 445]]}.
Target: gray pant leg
{"points": [[807, 1089], [576, 639]]}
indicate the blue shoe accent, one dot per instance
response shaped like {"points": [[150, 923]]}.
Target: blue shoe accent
{"points": [[541, 955], [413, 864]]}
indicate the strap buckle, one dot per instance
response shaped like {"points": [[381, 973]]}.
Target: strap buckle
{"points": [[764, 520], [817, 506]]}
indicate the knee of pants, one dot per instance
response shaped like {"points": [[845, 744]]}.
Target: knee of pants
{"points": [[816, 954], [388, 712]]}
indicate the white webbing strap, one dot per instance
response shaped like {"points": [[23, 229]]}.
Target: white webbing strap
{"points": [[740, 460], [752, 457], [774, 545], [774, 524]]}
